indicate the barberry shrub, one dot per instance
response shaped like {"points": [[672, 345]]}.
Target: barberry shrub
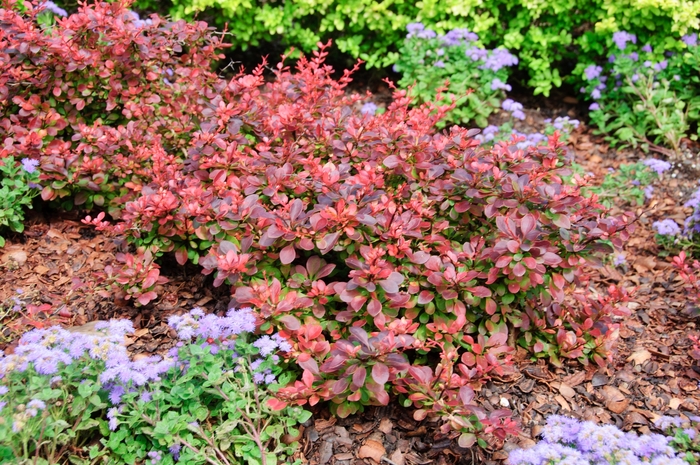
{"points": [[394, 258]]}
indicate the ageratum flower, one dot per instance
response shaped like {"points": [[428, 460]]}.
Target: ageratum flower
{"points": [[666, 227], [53, 8], [691, 40], [30, 165], [592, 72], [659, 166], [621, 38]]}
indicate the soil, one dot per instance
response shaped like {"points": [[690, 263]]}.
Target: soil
{"points": [[55, 260]]}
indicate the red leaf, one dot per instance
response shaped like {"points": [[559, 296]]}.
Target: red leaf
{"points": [[288, 254], [380, 373]]}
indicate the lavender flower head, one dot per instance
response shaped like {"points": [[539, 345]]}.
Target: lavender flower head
{"points": [[53, 8], [647, 48], [592, 72], [666, 227], [619, 260], [658, 166], [497, 84], [414, 29], [594, 106], [691, 40], [196, 324], [499, 58], [621, 38], [569, 441], [439, 64], [30, 165], [369, 108]]}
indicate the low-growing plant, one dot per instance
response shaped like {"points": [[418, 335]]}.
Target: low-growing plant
{"points": [[136, 277], [645, 97], [570, 441], [563, 126], [207, 401], [631, 183], [18, 186], [373, 243], [454, 66]]}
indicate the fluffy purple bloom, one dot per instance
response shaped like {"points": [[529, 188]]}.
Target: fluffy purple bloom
{"points": [[270, 378], [30, 165], [662, 65], [457, 36], [634, 56], [611, 59], [196, 324], [2, 405], [648, 63], [621, 38], [175, 451], [667, 422], [258, 378], [691, 40], [426, 34], [497, 84], [53, 8], [36, 404], [649, 192], [592, 72], [511, 105], [476, 53], [694, 201], [499, 58], [594, 106], [595, 94], [619, 260], [3, 390], [155, 457], [666, 227], [518, 114], [439, 64], [266, 345], [414, 29], [658, 166], [647, 48]]}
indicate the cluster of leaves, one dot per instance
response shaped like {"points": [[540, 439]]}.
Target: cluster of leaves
{"points": [[547, 34], [646, 96], [200, 404], [690, 274], [476, 78], [137, 277], [18, 183], [375, 244], [629, 183]]}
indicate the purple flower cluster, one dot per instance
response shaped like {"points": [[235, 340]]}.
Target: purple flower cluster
{"points": [[196, 324], [499, 58], [458, 37], [30, 165], [487, 134], [48, 349], [619, 260], [659, 166], [666, 227], [267, 345], [419, 30], [692, 223], [53, 8], [497, 84], [572, 442], [369, 108], [592, 72], [621, 38], [515, 108], [691, 40]]}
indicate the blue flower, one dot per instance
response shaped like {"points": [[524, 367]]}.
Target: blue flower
{"points": [[667, 227], [369, 108]]}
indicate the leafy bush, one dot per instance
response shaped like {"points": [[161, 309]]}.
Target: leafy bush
{"points": [[569, 441], [477, 77], [548, 35], [393, 258], [206, 402], [644, 96], [17, 189], [631, 182]]}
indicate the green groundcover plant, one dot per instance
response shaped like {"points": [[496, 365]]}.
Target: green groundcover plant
{"points": [[395, 259], [646, 96], [476, 77], [18, 186], [80, 397]]}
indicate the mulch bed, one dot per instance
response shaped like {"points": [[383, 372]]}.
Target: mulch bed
{"points": [[55, 261]]}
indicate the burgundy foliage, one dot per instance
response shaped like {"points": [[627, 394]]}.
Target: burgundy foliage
{"points": [[396, 259]]}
